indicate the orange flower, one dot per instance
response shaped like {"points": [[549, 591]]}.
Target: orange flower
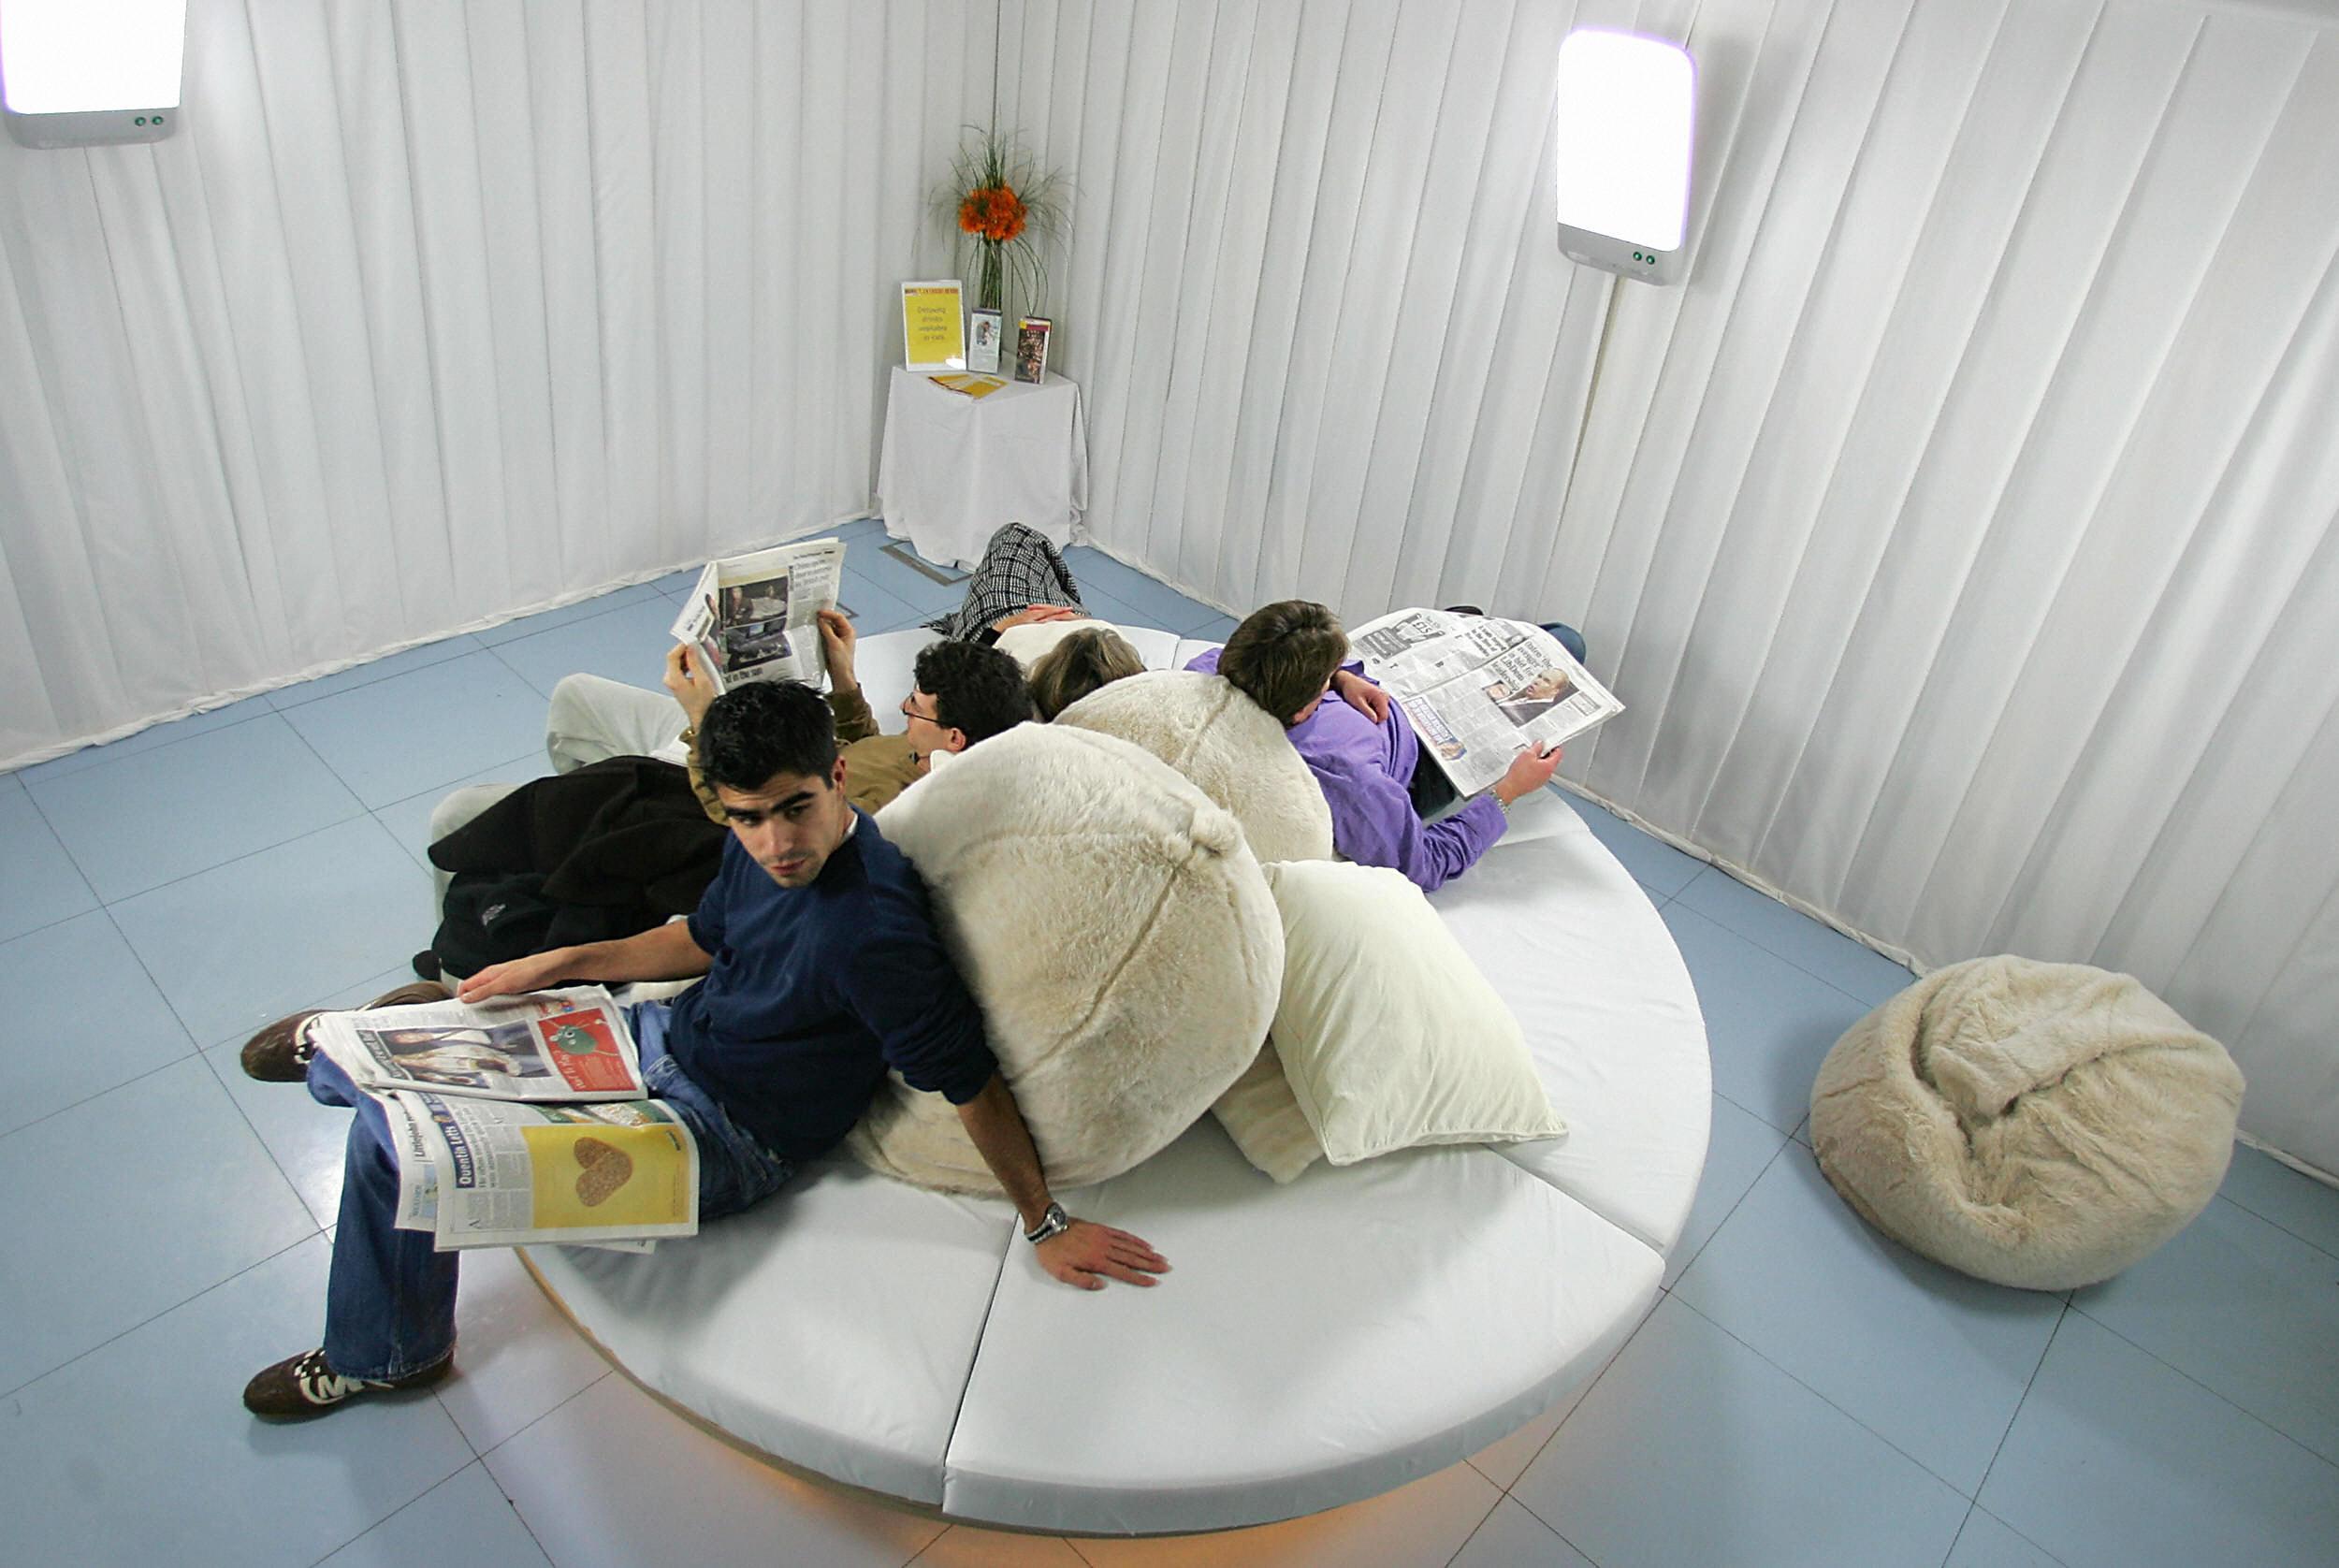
{"points": [[993, 213]]}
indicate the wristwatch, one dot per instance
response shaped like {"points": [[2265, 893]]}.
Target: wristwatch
{"points": [[1055, 1222]]}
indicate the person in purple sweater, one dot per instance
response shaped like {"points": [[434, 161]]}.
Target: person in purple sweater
{"points": [[1291, 655]]}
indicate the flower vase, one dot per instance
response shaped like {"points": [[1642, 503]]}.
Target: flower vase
{"points": [[991, 276]]}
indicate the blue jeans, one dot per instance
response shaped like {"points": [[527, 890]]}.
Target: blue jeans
{"points": [[389, 1301]]}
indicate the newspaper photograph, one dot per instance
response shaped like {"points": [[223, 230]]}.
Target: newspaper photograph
{"points": [[570, 1044], [1477, 688], [752, 617], [489, 1173]]}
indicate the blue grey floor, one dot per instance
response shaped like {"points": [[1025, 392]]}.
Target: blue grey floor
{"points": [[1804, 1393]]}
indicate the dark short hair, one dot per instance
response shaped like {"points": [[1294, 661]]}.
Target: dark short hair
{"points": [[753, 734], [975, 688], [1281, 655], [1093, 657]]}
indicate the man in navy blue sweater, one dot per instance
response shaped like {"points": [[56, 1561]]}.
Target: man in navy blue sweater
{"points": [[822, 970]]}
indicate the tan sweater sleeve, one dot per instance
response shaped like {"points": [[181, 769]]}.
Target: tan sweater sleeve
{"points": [[855, 722], [699, 786]]}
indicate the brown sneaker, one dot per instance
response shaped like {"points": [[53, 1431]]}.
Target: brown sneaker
{"points": [[301, 1386], [279, 1053]]}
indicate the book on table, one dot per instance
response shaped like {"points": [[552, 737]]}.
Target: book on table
{"points": [[1031, 349], [521, 1120], [755, 616]]}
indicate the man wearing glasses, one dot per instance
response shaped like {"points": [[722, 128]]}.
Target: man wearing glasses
{"points": [[964, 692]]}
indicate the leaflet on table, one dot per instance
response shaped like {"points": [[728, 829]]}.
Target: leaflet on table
{"points": [[752, 617], [487, 1173], [1477, 688], [547, 1045]]}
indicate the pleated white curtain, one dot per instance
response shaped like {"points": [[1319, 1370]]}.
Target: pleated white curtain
{"points": [[437, 312], [1961, 535]]}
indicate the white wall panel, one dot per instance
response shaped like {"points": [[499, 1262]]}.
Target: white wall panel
{"points": [[1960, 534], [433, 313]]}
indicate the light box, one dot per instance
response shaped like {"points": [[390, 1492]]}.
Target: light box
{"points": [[83, 73], [1626, 114]]}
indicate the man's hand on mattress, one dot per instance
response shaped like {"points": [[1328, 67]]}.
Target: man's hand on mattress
{"points": [[690, 684], [836, 645], [1362, 695], [1088, 1254], [1032, 615]]}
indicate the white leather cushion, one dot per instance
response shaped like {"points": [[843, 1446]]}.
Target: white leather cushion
{"points": [[2039, 1125], [1117, 934], [1214, 736], [1390, 1038]]}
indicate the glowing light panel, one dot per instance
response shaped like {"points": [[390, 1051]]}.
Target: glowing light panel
{"points": [[1626, 114], [85, 56]]}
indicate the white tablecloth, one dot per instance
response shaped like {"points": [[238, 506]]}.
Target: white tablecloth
{"points": [[954, 468]]}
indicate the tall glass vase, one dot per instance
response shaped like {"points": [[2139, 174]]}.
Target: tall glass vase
{"points": [[991, 275]]}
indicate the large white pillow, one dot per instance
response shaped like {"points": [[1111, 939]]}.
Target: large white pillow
{"points": [[1115, 930], [1227, 745], [1390, 1036], [1031, 643]]}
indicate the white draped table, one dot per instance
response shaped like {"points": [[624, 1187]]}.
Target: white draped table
{"points": [[955, 469]]}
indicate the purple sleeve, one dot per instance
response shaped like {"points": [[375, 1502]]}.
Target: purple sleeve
{"points": [[1373, 824]]}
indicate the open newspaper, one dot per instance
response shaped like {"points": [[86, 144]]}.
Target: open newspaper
{"points": [[546, 1046], [521, 1120], [752, 617], [1477, 688]]}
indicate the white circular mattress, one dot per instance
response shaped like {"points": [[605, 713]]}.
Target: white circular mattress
{"points": [[1314, 1344]]}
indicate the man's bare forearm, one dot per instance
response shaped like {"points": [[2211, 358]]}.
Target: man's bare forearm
{"points": [[1000, 1137], [662, 952]]}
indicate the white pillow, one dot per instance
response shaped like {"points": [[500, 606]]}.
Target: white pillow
{"points": [[1388, 1034], [1034, 640], [1263, 1117]]}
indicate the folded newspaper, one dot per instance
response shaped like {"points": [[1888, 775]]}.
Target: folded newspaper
{"points": [[1478, 689], [752, 617], [521, 1120], [489, 1174]]}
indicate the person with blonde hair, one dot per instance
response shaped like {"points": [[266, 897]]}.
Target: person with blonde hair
{"points": [[1093, 657]]}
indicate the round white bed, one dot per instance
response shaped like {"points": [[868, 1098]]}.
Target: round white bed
{"points": [[1314, 1344]]}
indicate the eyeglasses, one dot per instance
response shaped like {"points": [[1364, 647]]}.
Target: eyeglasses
{"points": [[911, 712]]}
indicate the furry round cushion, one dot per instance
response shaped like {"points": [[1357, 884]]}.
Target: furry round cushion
{"points": [[1116, 930], [1227, 745], [2039, 1125]]}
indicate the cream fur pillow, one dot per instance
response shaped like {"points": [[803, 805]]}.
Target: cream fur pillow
{"points": [[1117, 934], [1227, 744], [1390, 1036], [2039, 1125]]}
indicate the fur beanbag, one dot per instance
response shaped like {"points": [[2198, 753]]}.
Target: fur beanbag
{"points": [[1225, 743], [1118, 934], [2039, 1125]]}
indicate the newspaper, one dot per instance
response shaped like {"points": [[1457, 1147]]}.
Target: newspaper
{"points": [[548, 1045], [1478, 689], [489, 1174], [752, 617]]}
